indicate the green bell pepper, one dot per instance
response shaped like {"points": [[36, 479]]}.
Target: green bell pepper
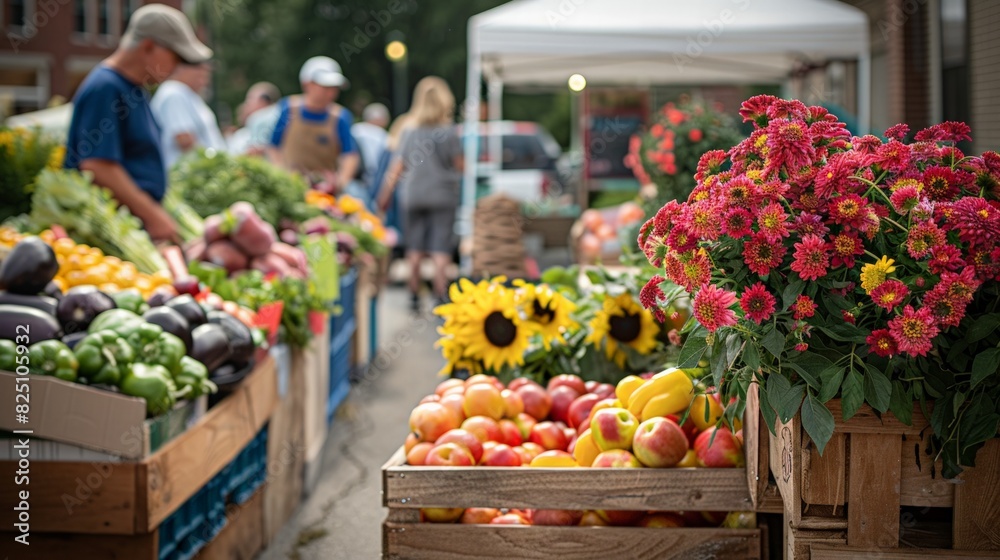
{"points": [[52, 357], [112, 319], [104, 357], [8, 355], [131, 300], [152, 383], [154, 346], [194, 374]]}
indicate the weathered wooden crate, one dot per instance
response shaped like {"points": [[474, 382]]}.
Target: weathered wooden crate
{"points": [[113, 510], [406, 489], [872, 484]]}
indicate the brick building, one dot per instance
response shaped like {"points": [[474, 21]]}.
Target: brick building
{"points": [[50, 45]]}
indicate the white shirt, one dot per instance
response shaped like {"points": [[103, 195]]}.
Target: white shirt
{"points": [[371, 140], [179, 109]]}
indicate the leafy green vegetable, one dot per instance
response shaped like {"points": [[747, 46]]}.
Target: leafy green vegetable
{"points": [[211, 183]]}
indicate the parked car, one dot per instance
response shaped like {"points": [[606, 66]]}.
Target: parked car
{"points": [[527, 169]]}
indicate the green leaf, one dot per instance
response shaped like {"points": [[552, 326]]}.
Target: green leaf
{"points": [[733, 345], [817, 421], [791, 292], [878, 388], [767, 411], [694, 348], [985, 365], [852, 394], [774, 343], [901, 403], [810, 367], [751, 356], [983, 327], [784, 397], [832, 378], [718, 362]]}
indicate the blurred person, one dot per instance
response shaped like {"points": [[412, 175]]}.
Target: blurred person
{"points": [[428, 164], [371, 136], [186, 121], [312, 134], [257, 116], [113, 133]]}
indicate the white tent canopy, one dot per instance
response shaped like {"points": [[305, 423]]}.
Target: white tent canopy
{"points": [[655, 42]]}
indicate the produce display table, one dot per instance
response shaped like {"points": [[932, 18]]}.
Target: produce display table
{"points": [[103, 510]]}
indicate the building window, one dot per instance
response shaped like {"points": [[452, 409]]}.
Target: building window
{"points": [[103, 17], [18, 12], [80, 16], [954, 62], [128, 7]]}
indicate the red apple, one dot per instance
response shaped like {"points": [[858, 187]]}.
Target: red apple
{"points": [[570, 435], [449, 455], [739, 436], [693, 519], [509, 519], [579, 410], [714, 518], [549, 435], [441, 515], [662, 519], [483, 378], [562, 397], [411, 440], [567, 380], [418, 455], [430, 398], [519, 382], [605, 391], [501, 455], [537, 401], [524, 423], [591, 519], [448, 384], [613, 428], [486, 429], [524, 454], [513, 405], [723, 451], [466, 439], [533, 449], [616, 459], [590, 385], [601, 405], [659, 442], [479, 516], [430, 420], [453, 391], [511, 433], [688, 427], [554, 459], [621, 518], [483, 399], [556, 517], [456, 404]]}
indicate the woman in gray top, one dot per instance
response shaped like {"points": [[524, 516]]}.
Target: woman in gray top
{"points": [[429, 166]]}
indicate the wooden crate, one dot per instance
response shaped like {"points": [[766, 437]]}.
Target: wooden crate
{"points": [[852, 497], [286, 449], [133, 498], [405, 489]]}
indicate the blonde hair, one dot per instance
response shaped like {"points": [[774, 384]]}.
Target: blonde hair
{"points": [[433, 102]]}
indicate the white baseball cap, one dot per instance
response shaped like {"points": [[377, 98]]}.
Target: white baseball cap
{"points": [[324, 71]]}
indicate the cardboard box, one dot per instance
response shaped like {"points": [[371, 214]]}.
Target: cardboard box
{"points": [[95, 419]]}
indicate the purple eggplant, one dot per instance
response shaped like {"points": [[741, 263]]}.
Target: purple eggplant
{"points": [[29, 266], [80, 305], [39, 302], [27, 322]]}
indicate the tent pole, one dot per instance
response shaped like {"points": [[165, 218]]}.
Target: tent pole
{"points": [[494, 93], [471, 129], [864, 88]]}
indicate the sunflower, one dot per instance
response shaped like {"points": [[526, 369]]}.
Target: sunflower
{"points": [[548, 312], [622, 322], [485, 321]]}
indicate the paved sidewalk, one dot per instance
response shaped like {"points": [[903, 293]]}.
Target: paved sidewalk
{"points": [[342, 519]]}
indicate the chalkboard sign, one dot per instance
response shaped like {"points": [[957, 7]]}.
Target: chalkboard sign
{"points": [[611, 117]]}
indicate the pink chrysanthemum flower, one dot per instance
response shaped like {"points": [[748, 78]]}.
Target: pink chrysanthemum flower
{"points": [[710, 163], [849, 211], [977, 221], [712, 307], [810, 224], [889, 294], [845, 246], [761, 255], [702, 220], [772, 222], [742, 192], [681, 240], [757, 303], [810, 259], [867, 144], [940, 183], [837, 176], [945, 258], [893, 156], [948, 131], [881, 343], [923, 237], [789, 145], [898, 131], [755, 108], [905, 199], [914, 331], [737, 223], [803, 307], [650, 296]]}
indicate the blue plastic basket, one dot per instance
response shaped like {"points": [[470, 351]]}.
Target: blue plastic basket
{"points": [[186, 531]]}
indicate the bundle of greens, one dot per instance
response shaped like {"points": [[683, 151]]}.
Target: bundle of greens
{"points": [[210, 182], [189, 223], [91, 215]]}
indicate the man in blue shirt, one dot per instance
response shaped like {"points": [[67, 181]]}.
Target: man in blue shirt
{"points": [[113, 133], [313, 134]]}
